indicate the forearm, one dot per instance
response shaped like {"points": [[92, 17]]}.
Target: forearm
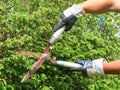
{"points": [[112, 67], [97, 6]]}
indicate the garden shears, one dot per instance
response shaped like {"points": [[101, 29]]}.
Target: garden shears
{"points": [[46, 55]]}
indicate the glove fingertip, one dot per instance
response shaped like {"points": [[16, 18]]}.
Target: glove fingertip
{"points": [[79, 61], [58, 26], [55, 29]]}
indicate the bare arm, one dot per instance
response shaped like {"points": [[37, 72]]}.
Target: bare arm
{"points": [[112, 67], [100, 6]]}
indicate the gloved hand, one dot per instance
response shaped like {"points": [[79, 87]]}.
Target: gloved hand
{"points": [[69, 17], [91, 68]]}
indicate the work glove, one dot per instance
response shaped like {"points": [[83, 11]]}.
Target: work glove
{"points": [[90, 68], [69, 17]]}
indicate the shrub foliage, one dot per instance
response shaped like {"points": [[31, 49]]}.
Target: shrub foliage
{"points": [[27, 25]]}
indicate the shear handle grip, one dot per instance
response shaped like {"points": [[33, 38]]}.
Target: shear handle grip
{"points": [[68, 64], [56, 35]]}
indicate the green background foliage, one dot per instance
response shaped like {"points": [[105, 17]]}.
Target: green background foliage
{"points": [[27, 25]]}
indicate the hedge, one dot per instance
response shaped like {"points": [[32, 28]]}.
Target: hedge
{"points": [[27, 25]]}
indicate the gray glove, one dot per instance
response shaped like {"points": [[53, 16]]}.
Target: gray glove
{"points": [[69, 17], [91, 68]]}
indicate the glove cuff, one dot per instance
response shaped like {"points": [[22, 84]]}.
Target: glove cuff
{"points": [[76, 10], [97, 67]]}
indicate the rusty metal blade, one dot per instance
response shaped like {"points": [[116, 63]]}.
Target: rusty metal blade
{"points": [[47, 48], [28, 53], [36, 65], [52, 60]]}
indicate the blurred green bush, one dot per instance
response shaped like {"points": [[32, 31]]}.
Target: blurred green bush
{"points": [[27, 25]]}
